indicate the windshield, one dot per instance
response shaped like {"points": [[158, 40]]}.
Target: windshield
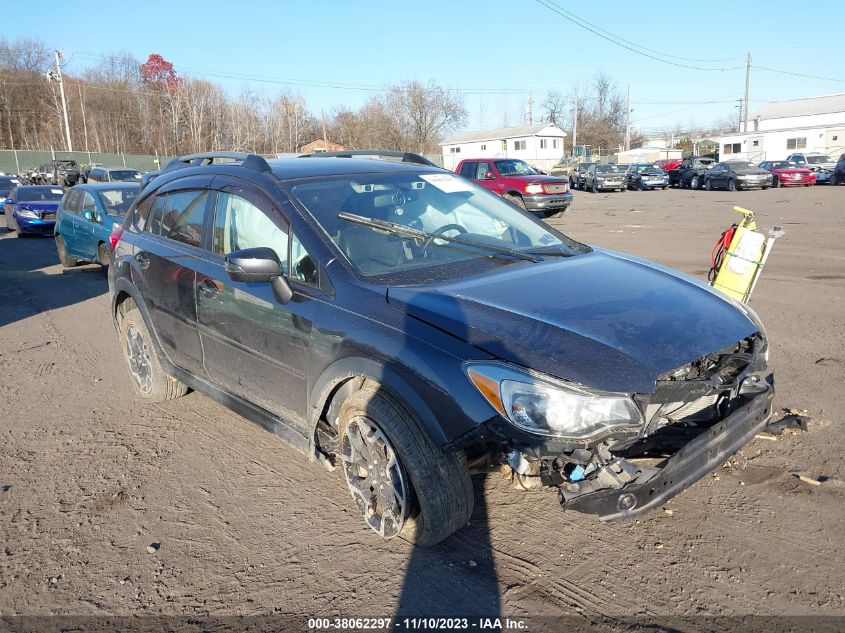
{"points": [[818, 160], [784, 164], [608, 169], [118, 201], [40, 194], [644, 168], [743, 167], [435, 202], [514, 168], [125, 175]]}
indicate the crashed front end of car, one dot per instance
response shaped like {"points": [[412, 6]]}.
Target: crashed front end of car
{"points": [[620, 455]]}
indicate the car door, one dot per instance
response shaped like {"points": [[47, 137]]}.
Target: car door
{"points": [[720, 177], [85, 224], [68, 208], [165, 256], [254, 346]]}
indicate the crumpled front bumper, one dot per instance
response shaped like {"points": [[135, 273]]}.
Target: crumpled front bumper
{"points": [[700, 456]]}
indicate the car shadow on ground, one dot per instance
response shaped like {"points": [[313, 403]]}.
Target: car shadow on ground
{"points": [[28, 289]]}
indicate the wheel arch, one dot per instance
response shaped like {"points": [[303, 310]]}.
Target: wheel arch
{"points": [[125, 297], [346, 376]]}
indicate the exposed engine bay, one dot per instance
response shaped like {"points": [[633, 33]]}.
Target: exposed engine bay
{"points": [[686, 402]]}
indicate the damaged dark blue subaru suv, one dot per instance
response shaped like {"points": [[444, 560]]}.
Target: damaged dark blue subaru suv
{"points": [[408, 328]]}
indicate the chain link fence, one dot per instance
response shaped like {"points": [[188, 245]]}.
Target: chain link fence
{"points": [[22, 161]]}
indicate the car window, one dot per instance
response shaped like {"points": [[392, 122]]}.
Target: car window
{"points": [[124, 175], [302, 266], [156, 213], [481, 171], [74, 197], [183, 217], [88, 204], [468, 170], [118, 201], [239, 224]]}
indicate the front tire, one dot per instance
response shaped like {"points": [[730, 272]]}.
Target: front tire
{"points": [[402, 484], [148, 377], [594, 189], [10, 221], [776, 182], [515, 199], [61, 249], [708, 185], [696, 183], [731, 184]]}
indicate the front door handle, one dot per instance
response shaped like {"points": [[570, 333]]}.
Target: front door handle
{"points": [[143, 260], [208, 288]]}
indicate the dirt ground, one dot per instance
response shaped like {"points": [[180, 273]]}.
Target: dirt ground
{"points": [[90, 476]]}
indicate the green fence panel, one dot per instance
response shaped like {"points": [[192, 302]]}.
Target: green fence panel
{"points": [[21, 161]]}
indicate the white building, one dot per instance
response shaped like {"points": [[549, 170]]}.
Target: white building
{"points": [[814, 124], [652, 150], [540, 145]]}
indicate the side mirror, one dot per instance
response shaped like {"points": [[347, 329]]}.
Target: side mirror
{"points": [[489, 176], [260, 264], [88, 215]]}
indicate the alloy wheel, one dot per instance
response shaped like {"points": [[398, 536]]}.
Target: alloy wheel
{"points": [[138, 356], [375, 477]]}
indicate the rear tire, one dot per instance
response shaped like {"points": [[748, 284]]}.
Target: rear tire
{"points": [[708, 185], [145, 371], [695, 183], [731, 184], [436, 483], [61, 249], [594, 189], [103, 255], [776, 182]]}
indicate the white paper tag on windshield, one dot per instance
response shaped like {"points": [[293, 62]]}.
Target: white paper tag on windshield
{"points": [[56, 190], [446, 182]]}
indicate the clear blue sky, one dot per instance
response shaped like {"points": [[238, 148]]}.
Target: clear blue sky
{"points": [[472, 45]]}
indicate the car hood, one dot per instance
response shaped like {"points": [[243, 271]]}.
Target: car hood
{"points": [[38, 206], [792, 170], [827, 166], [601, 319], [651, 172], [540, 178]]}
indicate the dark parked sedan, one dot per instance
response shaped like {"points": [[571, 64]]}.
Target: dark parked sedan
{"points": [[604, 177], [644, 176], [733, 175]]}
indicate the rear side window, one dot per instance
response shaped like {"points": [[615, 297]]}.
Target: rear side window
{"points": [[74, 197], [184, 215], [154, 224]]}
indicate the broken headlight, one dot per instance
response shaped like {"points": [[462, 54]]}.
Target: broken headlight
{"points": [[547, 406]]}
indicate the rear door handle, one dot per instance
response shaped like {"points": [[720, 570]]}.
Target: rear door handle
{"points": [[143, 260], [208, 288]]}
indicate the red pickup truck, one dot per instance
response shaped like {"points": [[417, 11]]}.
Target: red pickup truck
{"points": [[520, 183]]}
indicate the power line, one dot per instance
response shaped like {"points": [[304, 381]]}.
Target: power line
{"points": [[650, 50], [786, 72], [571, 17]]}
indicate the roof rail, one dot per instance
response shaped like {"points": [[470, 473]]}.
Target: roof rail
{"points": [[405, 157], [250, 161]]}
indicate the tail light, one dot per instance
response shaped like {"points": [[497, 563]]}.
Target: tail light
{"points": [[114, 236]]}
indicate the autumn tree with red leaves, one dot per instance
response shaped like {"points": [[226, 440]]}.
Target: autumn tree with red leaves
{"points": [[158, 73]]}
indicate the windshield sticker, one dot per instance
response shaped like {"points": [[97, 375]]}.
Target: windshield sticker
{"points": [[447, 183], [57, 191]]}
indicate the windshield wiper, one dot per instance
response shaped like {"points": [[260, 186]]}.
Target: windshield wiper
{"points": [[416, 234]]}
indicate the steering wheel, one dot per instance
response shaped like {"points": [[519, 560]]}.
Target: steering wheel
{"points": [[441, 231]]}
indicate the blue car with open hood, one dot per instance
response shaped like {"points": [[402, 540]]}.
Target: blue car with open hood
{"points": [[31, 209]]}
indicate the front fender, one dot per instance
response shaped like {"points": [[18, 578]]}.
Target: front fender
{"points": [[367, 368]]}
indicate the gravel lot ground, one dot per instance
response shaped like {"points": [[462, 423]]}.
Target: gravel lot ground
{"points": [[90, 476]]}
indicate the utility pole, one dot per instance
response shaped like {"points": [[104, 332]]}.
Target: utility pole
{"points": [[628, 121], [84, 124], [739, 123], [745, 100], [529, 110], [575, 123], [57, 76]]}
